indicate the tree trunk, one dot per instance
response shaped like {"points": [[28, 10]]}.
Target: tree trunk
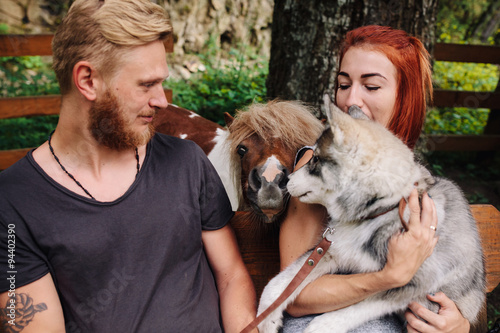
{"points": [[306, 37]]}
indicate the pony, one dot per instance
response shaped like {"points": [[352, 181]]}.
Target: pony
{"points": [[254, 154], [262, 143]]}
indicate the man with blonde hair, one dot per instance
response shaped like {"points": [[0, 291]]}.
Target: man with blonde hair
{"points": [[107, 226]]}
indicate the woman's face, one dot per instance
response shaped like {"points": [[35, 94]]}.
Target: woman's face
{"points": [[367, 79]]}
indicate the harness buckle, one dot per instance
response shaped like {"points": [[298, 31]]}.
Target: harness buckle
{"points": [[328, 230]]}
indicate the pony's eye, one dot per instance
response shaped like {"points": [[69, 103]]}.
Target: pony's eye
{"points": [[241, 150]]}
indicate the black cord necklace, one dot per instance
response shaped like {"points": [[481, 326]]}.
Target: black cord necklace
{"points": [[72, 177]]}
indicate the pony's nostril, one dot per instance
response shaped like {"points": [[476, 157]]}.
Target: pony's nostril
{"points": [[254, 179], [283, 181]]}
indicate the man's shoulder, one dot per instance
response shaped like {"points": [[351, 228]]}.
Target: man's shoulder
{"points": [[18, 169], [175, 144], [17, 179]]}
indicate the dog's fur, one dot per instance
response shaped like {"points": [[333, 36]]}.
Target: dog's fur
{"points": [[359, 169]]}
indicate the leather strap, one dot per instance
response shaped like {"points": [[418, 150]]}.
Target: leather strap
{"points": [[311, 262], [318, 252]]}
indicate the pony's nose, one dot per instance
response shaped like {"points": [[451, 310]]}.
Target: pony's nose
{"points": [[267, 185], [258, 177]]}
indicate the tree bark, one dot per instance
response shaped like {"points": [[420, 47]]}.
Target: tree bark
{"points": [[306, 37]]}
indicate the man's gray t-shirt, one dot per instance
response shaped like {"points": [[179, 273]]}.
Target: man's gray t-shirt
{"points": [[136, 264]]}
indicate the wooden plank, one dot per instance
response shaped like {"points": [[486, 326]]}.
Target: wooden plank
{"points": [[25, 45], [14, 107], [468, 99], [31, 106], [488, 222], [467, 53], [32, 45], [9, 157], [463, 142]]}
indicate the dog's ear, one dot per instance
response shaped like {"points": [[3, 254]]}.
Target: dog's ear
{"points": [[339, 121], [355, 112], [334, 114], [327, 102]]}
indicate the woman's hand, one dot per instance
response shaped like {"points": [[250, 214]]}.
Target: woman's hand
{"points": [[408, 250], [448, 318]]}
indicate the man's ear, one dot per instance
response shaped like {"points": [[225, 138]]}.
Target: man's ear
{"points": [[85, 79]]}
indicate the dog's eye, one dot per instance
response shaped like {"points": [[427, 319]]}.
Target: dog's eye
{"points": [[241, 150], [314, 161]]}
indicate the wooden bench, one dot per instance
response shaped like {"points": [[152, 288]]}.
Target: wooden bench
{"points": [[260, 251]]}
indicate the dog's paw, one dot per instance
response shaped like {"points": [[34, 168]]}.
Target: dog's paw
{"points": [[271, 324], [324, 324]]}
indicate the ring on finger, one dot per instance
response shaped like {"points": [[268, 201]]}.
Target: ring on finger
{"points": [[433, 228]]}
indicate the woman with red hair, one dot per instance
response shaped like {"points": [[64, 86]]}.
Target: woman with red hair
{"points": [[387, 74]]}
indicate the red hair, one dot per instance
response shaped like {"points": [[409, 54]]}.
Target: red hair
{"points": [[411, 60]]}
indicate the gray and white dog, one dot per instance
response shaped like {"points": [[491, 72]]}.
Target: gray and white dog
{"points": [[359, 170]]}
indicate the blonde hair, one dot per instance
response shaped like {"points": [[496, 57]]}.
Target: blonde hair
{"points": [[99, 31], [292, 122]]}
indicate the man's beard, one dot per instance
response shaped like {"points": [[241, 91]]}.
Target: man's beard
{"points": [[108, 125]]}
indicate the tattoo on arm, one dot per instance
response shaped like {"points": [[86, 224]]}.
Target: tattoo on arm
{"points": [[19, 312]]}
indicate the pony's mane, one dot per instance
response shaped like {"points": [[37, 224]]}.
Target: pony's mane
{"points": [[290, 121]]}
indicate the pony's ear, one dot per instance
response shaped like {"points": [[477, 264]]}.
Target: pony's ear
{"points": [[228, 119], [355, 112]]}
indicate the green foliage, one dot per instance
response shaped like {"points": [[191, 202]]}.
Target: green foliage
{"points": [[481, 78], [465, 76], [26, 76], [25, 132], [456, 121], [4, 28], [228, 83], [464, 21]]}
